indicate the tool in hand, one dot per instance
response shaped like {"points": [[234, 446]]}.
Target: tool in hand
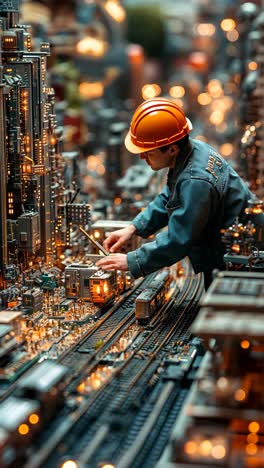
{"points": [[98, 245]]}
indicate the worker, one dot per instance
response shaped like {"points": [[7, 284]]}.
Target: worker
{"points": [[203, 195]]}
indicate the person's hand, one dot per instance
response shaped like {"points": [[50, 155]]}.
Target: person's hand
{"points": [[115, 261], [116, 239]]}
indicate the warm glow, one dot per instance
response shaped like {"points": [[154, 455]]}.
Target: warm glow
{"points": [[254, 426], [236, 248], [190, 447], [205, 29], [227, 24], [252, 66], [108, 466], [217, 117], [115, 10], [205, 448], [226, 149], [251, 449], [245, 344], [118, 201], [204, 99], [100, 169], [233, 35], [215, 88], [252, 438], [240, 394], [69, 464], [150, 91], [96, 234], [34, 418], [81, 387], [177, 91], [218, 452], [92, 46], [91, 90], [105, 288], [23, 429]]}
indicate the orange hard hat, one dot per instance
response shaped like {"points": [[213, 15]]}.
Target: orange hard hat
{"points": [[155, 123]]}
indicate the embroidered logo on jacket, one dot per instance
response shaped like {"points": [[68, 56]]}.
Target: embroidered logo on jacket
{"points": [[212, 162]]}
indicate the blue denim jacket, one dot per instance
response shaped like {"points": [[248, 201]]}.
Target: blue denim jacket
{"points": [[203, 194]]}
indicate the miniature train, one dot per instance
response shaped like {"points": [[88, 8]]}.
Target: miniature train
{"points": [[38, 396], [152, 298]]}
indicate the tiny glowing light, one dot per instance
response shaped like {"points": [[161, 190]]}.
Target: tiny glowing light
{"points": [[96, 234], [91, 90], [34, 418], [226, 149], [228, 24], [218, 452], [81, 387], [236, 249], [251, 449], [23, 429], [240, 394], [150, 91], [215, 88], [245, 344], [204, 99], [252, 438], [92, 46], [108, 465], [105, 288], [217, 117], [254, 426], [177, 91], [100, 169], [190, 447], [69, 464], [205, 29], [252, 66], [233, 35], [205, 448], [118, 201], [115, 10]]}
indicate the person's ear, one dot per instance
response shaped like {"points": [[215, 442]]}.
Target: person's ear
{"points": [[174, 149]]}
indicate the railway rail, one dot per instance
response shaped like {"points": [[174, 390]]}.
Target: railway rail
{"points": [[138, 395]]}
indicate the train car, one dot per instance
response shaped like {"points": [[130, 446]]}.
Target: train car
{"points": [[44, 384], [103, 287], [20, 419], [153, 297]]}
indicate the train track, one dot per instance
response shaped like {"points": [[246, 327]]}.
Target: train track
{"points": [[90, 432]]}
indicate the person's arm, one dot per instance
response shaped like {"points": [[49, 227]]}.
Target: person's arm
{"points": [[198, 200], [154, 216]]}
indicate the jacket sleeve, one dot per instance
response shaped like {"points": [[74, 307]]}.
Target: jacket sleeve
{"points": [[198, 201], [154, 216]]}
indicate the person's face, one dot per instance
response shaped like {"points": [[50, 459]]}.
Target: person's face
{"points": [[157, 159]]}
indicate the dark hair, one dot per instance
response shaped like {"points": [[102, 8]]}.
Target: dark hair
{"points": [[180, 143]]}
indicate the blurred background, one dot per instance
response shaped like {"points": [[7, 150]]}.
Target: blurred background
{"points": [[109, 55]]}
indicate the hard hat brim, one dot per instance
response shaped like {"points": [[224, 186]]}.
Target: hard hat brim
{"points": [[133, 148]]}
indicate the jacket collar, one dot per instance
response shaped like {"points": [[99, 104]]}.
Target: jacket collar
{"points": [[180, 163]]}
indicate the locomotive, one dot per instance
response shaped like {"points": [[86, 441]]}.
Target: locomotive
{"points": [[37, 398], [153, 297]]}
